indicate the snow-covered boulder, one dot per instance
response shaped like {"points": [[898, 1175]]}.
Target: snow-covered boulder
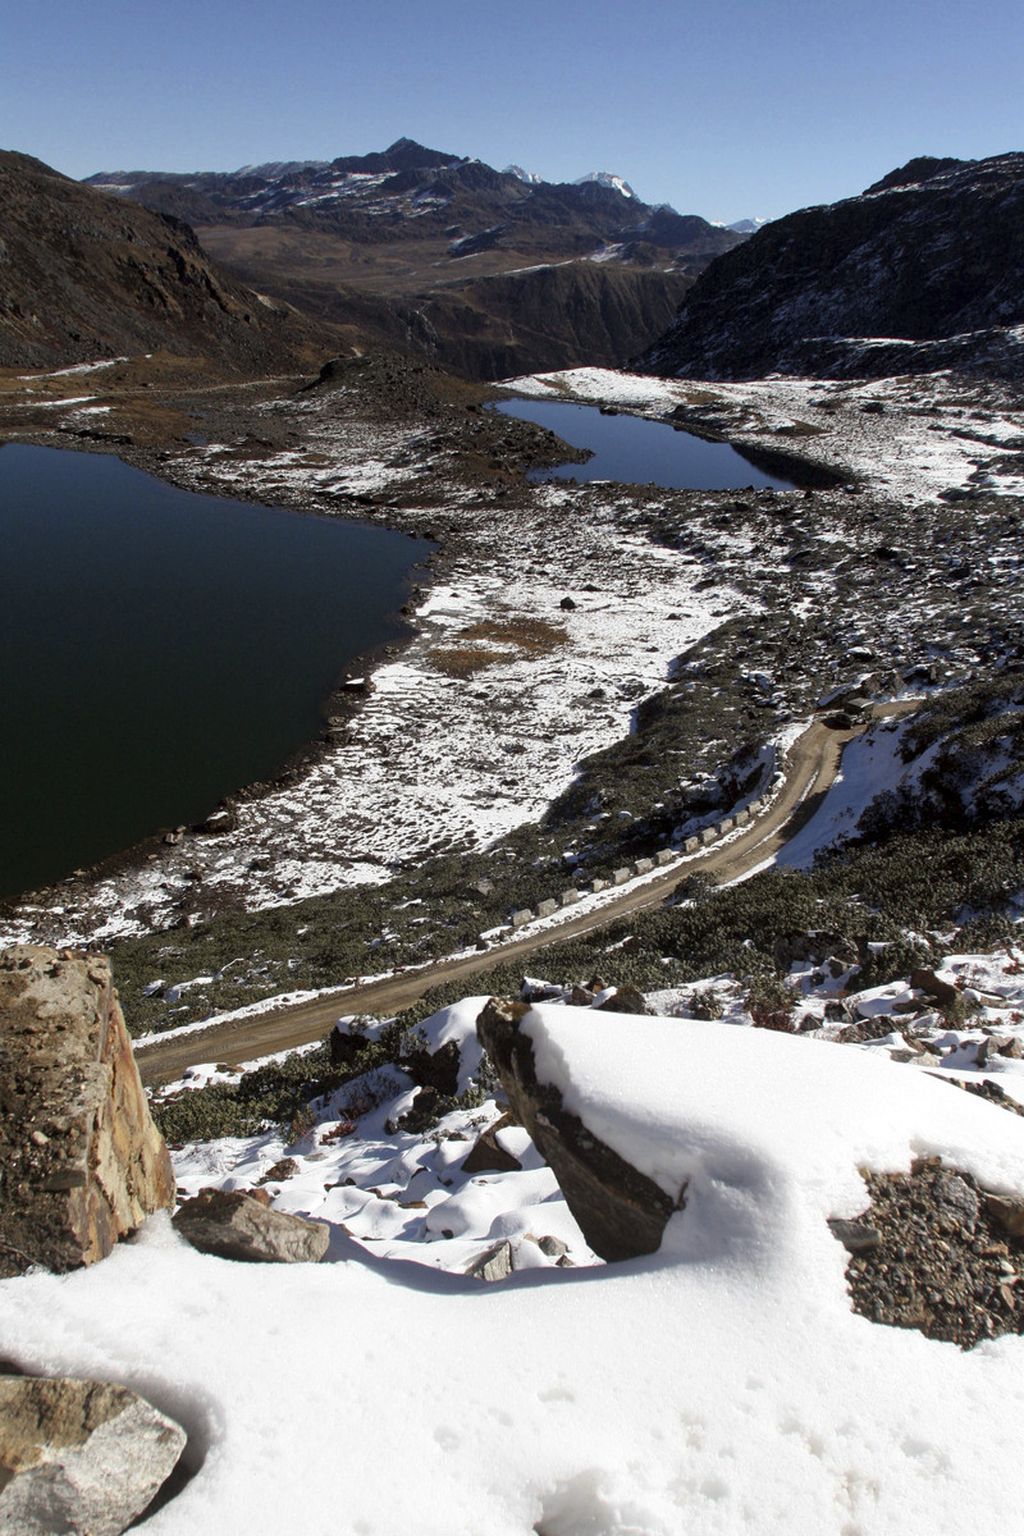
{"points": [[621, 1212]]}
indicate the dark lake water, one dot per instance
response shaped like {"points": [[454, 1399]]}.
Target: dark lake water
{"points": [[638, 452], [161, 649]]}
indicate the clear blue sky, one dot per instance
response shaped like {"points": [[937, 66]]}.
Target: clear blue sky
{"points": [[723, 107]]}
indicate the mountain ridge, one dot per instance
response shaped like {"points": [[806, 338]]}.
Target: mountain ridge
{"points": [[922, 270]]}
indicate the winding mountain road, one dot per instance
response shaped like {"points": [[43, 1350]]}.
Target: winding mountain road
{"points": [[811, 766]]}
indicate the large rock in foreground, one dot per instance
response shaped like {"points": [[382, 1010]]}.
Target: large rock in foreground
{"points": [[622, 1213], [81, 1162], [81, 1456], [236, 1224]]}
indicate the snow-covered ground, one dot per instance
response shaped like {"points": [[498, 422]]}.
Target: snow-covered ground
{"points": [[911, 437], [721, 1385], [437, 760]]}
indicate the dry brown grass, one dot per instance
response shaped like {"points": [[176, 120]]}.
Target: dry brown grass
{"points": [[492, 641]]}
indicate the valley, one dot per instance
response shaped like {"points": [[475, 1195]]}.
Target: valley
{"points": [[609, 954]]}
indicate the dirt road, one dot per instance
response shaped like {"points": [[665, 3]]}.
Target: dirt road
{"points": [[811, 765]]}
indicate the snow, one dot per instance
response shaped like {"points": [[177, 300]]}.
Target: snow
{"points": [[720, 1385], [903, 451], [870, 765], [607, 179], [76, 368]]}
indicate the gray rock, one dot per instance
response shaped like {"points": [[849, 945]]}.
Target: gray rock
{"points": [[233, 1224], [79, 1456], [520, 918], [496, 1264], [547, 908], [1006, 1213], [855, 1236], [957, 1202], [621, 1212]]}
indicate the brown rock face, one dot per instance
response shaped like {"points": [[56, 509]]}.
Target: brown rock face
{"points": [[621, 1212], [81, 1162]]}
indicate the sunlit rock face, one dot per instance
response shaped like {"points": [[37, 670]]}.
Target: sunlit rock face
{"points": [[82, 1162]]}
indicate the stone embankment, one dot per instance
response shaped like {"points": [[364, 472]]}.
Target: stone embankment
{"points": [[626, 872]]}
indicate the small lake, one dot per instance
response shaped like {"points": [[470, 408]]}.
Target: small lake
{"points": [[162, 649], [639, 452]]}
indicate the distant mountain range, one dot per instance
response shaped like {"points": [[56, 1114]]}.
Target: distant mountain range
{"points": [[486, 272], [408, 190], [923, 271]]}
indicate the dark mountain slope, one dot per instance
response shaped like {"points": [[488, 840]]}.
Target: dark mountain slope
{"points": [[931, 252], [83, 276]]}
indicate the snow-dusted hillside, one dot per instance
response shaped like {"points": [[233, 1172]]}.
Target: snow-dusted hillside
{"points": [[721, 1385]]}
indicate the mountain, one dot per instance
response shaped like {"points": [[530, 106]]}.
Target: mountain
{"points": [[410, 192], [84, 277], [923, 270], [405, 245], [747, 226], [607, 179], [532, 178]]}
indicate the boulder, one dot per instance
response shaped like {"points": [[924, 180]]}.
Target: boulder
{"points": [[84, 1456], [495, 1264], [82, 1163], [488, 1155], [233, 1224], [625, 1000], [435, 1069], [942, 992], [621, 1212]]}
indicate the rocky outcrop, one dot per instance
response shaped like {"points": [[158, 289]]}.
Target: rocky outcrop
{"points": [[238, 1224], [81, 1162], [621, 1212], [89, 276], [931, 256], [83, 1456]]}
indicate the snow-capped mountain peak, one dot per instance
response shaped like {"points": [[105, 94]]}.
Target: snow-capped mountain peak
{"points": [[606, 179], [532, 178]]}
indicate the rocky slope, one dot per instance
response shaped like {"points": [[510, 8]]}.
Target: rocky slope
{"points": [[83, 277], [924, 270], [434, 254]]}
